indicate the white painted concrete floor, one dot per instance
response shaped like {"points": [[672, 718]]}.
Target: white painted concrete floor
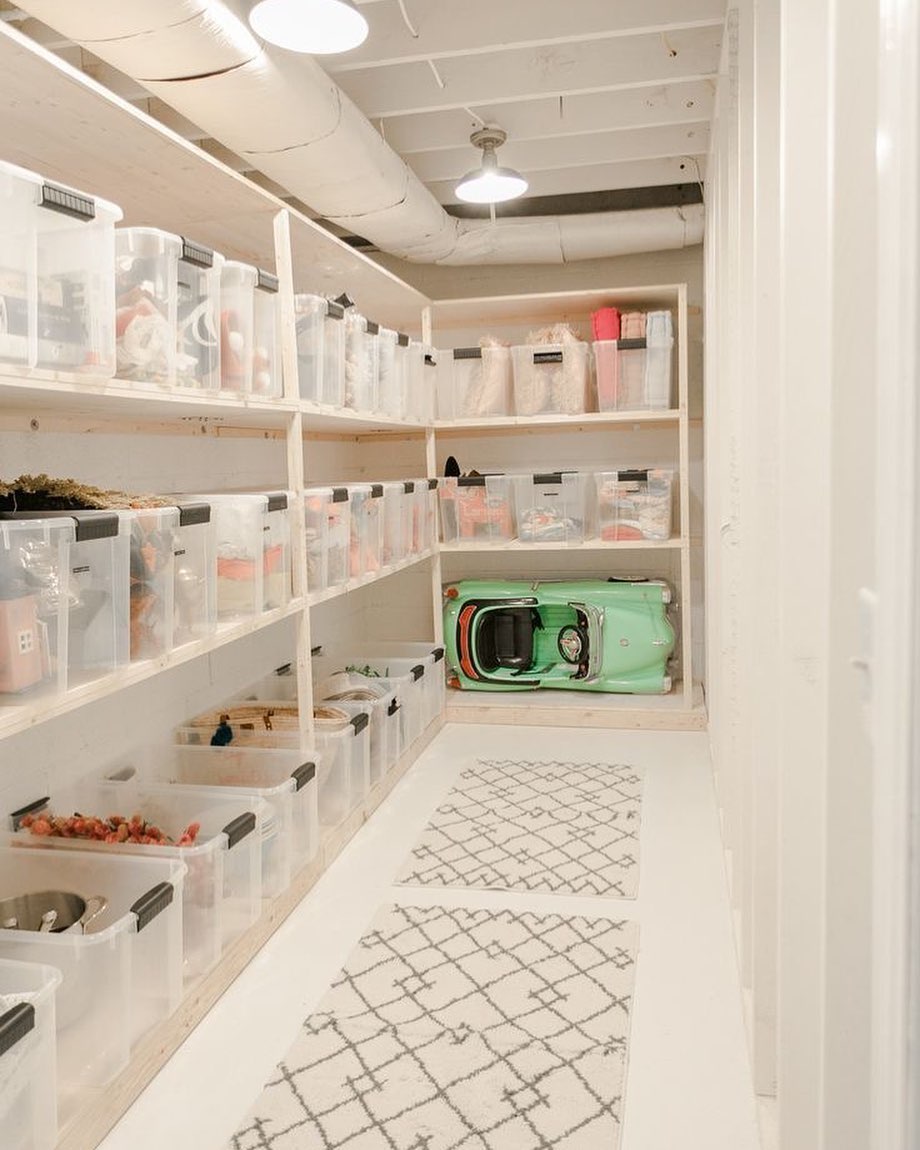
{"points": [[688, 1084]]}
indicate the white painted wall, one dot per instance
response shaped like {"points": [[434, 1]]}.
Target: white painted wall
{"points": [[791, 401]]}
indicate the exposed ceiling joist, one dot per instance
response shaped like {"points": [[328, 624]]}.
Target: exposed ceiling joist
{"points": [[446, 28], [585, 203], [521, 74], [571, 151], [548, 118]]}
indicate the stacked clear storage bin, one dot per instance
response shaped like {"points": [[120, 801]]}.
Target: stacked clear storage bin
{"points": [[552, 508], [222, 893], [316, 502], [338, 539], [377, 697], [421, 382], [366, 528], [551, 379], [477, 509], [122, 974], [389, 397], [195, 563], [253, 544], [28, 1060], [64, 600], [635, 504], [320, 327], [152, 534], [361, 362], [57, 291], [198, 349], [405, 675], [431, 656], [397, 500], [635, 374], [403, 359], [250, 344], [475, 383], [147, 301]]}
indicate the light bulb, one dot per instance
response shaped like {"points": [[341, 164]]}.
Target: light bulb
{"points": [[491, 185], [320, 27]]}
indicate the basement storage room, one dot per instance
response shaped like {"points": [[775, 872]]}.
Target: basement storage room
{"points": [[446, 700]]}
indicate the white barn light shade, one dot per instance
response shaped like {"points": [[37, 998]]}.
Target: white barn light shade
{"points": [[489, 183], [319, 27]]}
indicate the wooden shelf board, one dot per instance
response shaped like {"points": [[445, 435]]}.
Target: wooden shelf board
{"points": [[552, 307], [344, 423], [314, 598], [590, 545], [61, 123], [579, 709], [89, 1125], [590, 421], [14, 719]]}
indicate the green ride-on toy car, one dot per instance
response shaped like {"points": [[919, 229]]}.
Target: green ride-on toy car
{"points": [[587, 635]]}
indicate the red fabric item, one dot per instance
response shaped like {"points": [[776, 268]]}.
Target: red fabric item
{"points": [[606, 322]]}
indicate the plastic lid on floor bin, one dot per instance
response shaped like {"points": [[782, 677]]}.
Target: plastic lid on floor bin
{"points": [[477, 509], [376, 696], [28, 1062], [223, 887], [122, 973], [146, 302], [93, 589], [551, 379], [345, 739], [285, 780], [552, 507]]}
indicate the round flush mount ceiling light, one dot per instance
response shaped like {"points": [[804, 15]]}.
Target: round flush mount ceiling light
{"points": [[320, 27], [489, 183]]}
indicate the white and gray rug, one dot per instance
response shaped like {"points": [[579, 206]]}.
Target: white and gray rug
{"points": [[562, 828], [461, 1030]]}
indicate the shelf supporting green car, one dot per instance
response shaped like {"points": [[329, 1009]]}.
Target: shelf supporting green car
{"points": [[587, 635]]}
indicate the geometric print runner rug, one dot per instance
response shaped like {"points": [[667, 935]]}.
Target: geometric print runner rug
{"points": [[553, 827], [455, 1029]]}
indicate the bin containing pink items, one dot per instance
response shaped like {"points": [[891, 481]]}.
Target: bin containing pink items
{"points": [[28, 1058], [250, 344], [634, 370], [551, 378], [338, 542], [316, 501], [57, 286], [475, 382], [198, 352], [477, 509], [398, 499], [147, 298], [635, 504], [421, 523], [64, 599], [216, 837], [279, 784], [112, 927], [366, 528], [552, 508]]}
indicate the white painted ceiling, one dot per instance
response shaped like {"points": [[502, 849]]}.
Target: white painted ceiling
{"points": [[595, 95]]}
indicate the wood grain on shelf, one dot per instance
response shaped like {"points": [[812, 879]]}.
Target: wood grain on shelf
{"points": [[588, 545], [535, 424], [89, 1125], [314, 598]]}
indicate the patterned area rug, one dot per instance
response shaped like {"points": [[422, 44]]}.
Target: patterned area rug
{"points": [[563, 828], [461, 1030]]}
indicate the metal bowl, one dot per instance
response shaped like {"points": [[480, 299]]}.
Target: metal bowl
{"points": [[56, 911]]}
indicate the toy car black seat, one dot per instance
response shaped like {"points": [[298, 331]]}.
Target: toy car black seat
{"points": [[506, 639]]}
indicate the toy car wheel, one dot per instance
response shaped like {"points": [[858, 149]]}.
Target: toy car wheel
{"points": [[573, 644]]}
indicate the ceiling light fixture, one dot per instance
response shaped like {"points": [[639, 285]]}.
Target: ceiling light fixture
{"points": [[320, 27], [490, 184]]}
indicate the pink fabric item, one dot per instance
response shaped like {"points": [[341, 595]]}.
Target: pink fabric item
{"points": [[606, 321]]}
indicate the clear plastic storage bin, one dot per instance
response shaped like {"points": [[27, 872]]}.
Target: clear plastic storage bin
{"points": [[635, 374], [121, 976], [406, 353], [152, 536], [250, 350], [195, 563], [405, 675], [398, 500], [320, 327], [431, 657], [635, 504], [375, 696], [223, 887], [361, 362], [79, 582], [552, 508], [366, 528], [28, 1059], [476, 383], [477, 509], [551, 379], [198, 348], [147, 300], [421, 383], [57, 279], [316, 503], [344, 738], [338, 540], [389, 399], [253, 544]]}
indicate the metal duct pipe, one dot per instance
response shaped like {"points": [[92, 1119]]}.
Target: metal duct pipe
{"points": [[282, 113]]}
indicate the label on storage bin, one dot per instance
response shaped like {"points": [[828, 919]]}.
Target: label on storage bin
{"points": [[547, 356]]}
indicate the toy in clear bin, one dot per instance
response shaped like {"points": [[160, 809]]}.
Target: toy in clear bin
{"points": [[551, 508], [366, 528], [146, 279], [152, 534], [635, 504], [477, 509], [338, 539], [34, 599], [198, 351]]}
